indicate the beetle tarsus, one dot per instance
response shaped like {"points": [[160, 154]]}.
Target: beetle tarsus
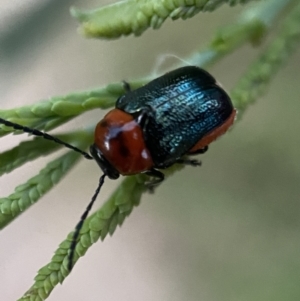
{"points": [[191, 162], [158, 178], [200, 151]]}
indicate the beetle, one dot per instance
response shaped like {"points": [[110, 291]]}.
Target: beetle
{"points": [[153, 127]]}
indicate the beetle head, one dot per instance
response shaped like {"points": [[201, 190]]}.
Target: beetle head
{"points": [[105, 166]]}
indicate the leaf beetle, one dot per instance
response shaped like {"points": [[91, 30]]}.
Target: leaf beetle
{"points": [[153, 127]]}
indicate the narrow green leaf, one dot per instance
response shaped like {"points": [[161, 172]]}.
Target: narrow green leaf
{"points": [[28, 193], [252, 26], [54, 111], [134, 17], [96, 226], [256, 80]]}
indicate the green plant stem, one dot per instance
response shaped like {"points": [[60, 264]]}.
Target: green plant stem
{"points": [[52, 112], [134, 17], [98, 225], [253, 24], [30, 192], [30, 150], [256, 80]]}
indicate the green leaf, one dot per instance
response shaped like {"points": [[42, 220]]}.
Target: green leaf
{"points": [[54, 111], [257, 78], [134, 17], [27, 194]]}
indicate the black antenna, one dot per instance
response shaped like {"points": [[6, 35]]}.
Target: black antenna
{"points": [[36, 132], [80, 223], [78, 227]]}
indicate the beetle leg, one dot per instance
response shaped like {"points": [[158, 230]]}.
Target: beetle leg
{"points": [[126, 86], [189, 162], [158, 178], [199, 151], [142, 117]]}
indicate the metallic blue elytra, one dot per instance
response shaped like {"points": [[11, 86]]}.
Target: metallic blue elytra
{"points": [[176, 111]]}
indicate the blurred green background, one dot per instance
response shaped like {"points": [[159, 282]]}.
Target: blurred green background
{"points": [[227, 231]]}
